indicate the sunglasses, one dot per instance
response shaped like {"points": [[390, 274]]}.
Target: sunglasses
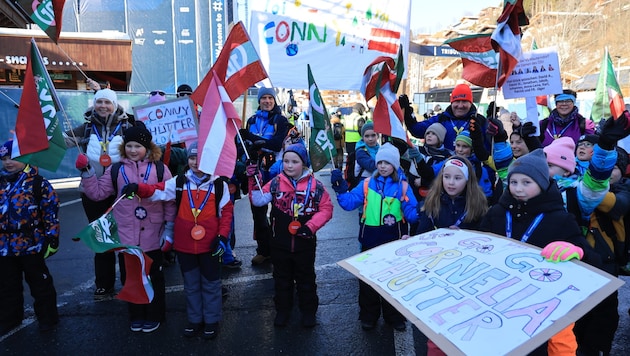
{"points": [[156, 92], [184, 93]]}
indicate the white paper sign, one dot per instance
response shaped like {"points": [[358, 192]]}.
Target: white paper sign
{"points": [[537, 73], [467, 290], [174, 120]]}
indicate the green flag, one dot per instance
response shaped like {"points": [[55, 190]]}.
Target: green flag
{"points": [[101, 235], [608, 98], [38, 139], [321, 148], [534, 45]]}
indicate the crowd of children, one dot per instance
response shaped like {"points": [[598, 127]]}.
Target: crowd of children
{"points": [[568, 196]]}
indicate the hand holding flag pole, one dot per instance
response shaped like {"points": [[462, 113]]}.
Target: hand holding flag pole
{"points": [[240, 138]]}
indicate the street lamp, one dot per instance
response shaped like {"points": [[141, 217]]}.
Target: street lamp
{"points": [[618, 68]]}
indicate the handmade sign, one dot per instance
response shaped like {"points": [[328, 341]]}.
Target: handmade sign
{"points": [[171, 120], [475, 293]]}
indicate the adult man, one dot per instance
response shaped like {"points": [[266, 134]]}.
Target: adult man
{"points": [[456, 118], [353, 123], [565, 120], [263, 134]]}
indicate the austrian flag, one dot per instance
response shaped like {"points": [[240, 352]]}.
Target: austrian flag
{"points": [[218, 125]]}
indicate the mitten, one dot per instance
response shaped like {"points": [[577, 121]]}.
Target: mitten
{"points": [[304, 232], [129, 190], [561, 251], [219, 246], [82, 162], [339, 184], [614, 130], [528, 129], [145, 190], [251, 170], [166, 240], [52, 246]]}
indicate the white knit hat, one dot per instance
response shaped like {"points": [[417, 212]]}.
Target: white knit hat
{"points": [[106, 94], [388, 153]]}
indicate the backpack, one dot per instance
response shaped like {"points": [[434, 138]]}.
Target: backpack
{"points": [[360, 122], [218, 191], [116, 169], [348, 171], [337, 131]]}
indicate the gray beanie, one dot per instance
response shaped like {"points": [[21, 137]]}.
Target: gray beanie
{"points": [[266, 91], [192, 149], [367, 126], [388, 153], [439, 130], [533, 165]]}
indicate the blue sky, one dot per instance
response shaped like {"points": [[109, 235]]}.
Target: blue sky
{"points": [[433, 15]]}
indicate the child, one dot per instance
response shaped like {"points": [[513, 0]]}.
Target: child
{"points": [[300, 207], [387, 207], [140, 222], [366, 150], [584, 152], [199, 240], [433, 153], [26, 198], [454, 200], [531, 210]]}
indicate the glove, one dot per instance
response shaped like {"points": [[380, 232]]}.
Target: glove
{"points": [[82, 162], [410, 118], [495, 129], [613, 131], [219, 246], [561, 251], [258, 144], [339, 184], [475, 130], [304, 232], [52, 246], [145, 190], [528, 129], [166, 240], [251, 170], [129, 190]]}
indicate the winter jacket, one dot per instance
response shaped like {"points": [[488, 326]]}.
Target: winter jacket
{"points": [[378, 225], [25, 226], [451, 212], [555, 127], [556, 225], [269, 126], [109, 129], [133, 228], [450, 122], [282, 194], [214, 224], [365, 157]]}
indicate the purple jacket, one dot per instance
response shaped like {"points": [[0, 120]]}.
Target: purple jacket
{"points": [[131, 229]]}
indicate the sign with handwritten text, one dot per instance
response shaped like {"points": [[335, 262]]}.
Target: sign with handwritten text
{"points": [[465, 290], [172, 120]]}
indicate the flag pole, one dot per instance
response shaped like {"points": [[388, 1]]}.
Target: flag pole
{"points": [[17, 106], [244, 111], [245, 149]]}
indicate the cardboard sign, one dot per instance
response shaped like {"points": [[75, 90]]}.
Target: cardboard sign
{"points": [[475, 293], [537, 73], [174, 119]]}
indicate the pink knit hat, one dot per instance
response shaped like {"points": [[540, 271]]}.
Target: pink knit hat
{"points": [[561, 152]]}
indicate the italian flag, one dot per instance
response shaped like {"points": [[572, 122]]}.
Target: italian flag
{"points": [[608, 98], [38, 139]]}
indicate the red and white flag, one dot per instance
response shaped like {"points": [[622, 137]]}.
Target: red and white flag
{"points": [[218, 125], [506, 38], [384, 40], [137, 288], [238, 66]]}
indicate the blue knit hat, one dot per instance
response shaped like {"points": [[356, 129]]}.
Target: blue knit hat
{"points": [[300, 150], [6, 149], [192, 149], [266, 91], [502, 151]]}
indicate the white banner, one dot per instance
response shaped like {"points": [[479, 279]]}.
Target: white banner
{"points": [[173, 120], [537, 73], [464, 289], [337, 38]]}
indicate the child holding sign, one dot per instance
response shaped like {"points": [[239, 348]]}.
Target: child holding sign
{"points": [[532, 211], [300, 206]]}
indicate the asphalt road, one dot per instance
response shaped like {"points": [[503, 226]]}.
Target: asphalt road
{"points": [[89, 327]]}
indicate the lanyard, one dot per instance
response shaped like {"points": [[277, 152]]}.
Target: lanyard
{"points": [[146, 174], [458, 129], [111, 136], [18, 182], [528, 232], [197, 211], [555, 135], [296, 206], [457, 223]]}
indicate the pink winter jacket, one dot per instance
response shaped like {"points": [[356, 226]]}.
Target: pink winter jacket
{"points": [[132, 230]]}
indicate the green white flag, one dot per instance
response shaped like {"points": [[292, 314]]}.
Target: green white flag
{"points": [[321, 144]]}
